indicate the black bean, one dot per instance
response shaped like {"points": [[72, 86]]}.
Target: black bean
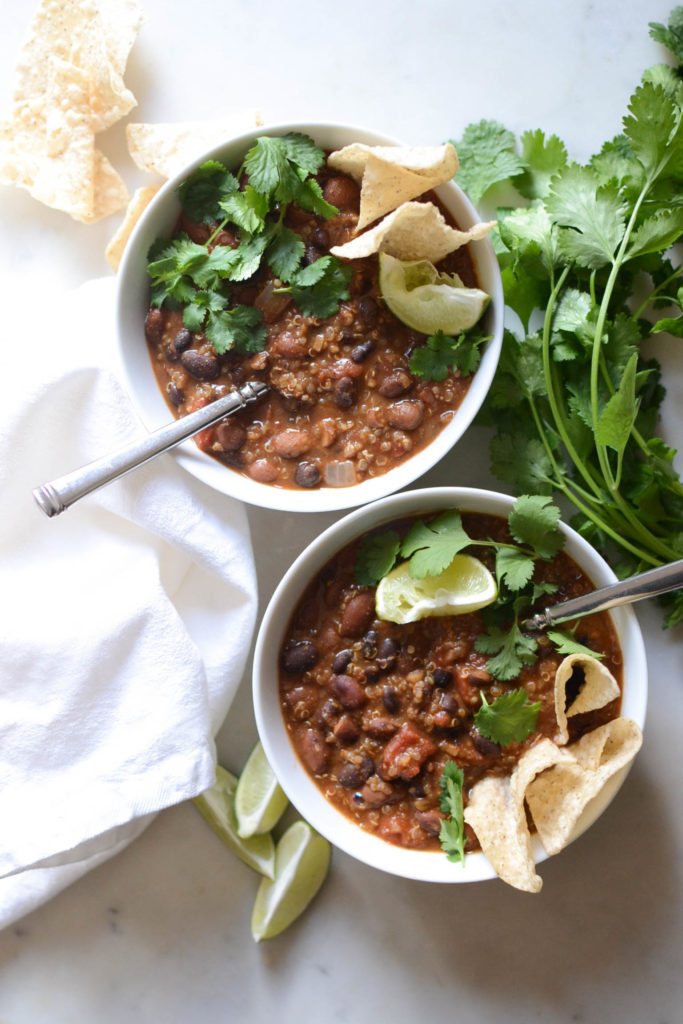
{"points": [[311, 254], [341, 662], [202, 366], [344, 392], [346, 730], [390, 699], [320, 238], [367, 767], [349, 776], [386, 653], [307, 475], [369, 644], [299, 657], [484, 745], [360, 352], [442, 677], [368, 310], [182, 340], [449, 703], [395, 384], [174, 393]]}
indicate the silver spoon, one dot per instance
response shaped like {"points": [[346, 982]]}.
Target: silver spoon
{"points": [[646, 584], [57, 495]]}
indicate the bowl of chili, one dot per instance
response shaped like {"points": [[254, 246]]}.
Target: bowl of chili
{"points": [[347, 418], [358, 716]]}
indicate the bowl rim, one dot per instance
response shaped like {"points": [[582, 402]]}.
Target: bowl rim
{"points": [[141, 385], [295, 781]]}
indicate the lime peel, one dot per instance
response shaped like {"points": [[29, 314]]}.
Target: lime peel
{"points": [[217, 807], [428, 300], [302, 860], [466, 585]]}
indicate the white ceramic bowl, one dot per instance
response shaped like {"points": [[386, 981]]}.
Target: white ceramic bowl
{"points": [[427, 866], [133, 301]]}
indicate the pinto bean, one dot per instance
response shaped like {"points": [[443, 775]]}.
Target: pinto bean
{"points": [[430, 821], [395, 384], [344, 392], [346, 730], [341, 192], [302, 700], [360, 352], [154, 325], [202, 365], [263, 471], [313, 751], [290, 345], [358, 614], [299, 657], [406, 414], [292, 442], [348, 692], [391, 700], [349, 776], [230, 435]]}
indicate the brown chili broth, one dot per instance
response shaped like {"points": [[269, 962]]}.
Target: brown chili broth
{"points": [[327, 404], [329, 737]]}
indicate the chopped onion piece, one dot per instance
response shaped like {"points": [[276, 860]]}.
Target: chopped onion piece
{"points": [[340, 474]]}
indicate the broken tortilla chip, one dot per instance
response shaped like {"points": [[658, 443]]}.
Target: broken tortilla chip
{"points": [[138, 203], [391, 175], [557, 797], [598, 689], [415, 231], [69, 86], [166, 148]]}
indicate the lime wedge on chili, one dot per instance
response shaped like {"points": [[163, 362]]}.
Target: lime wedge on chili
{"points": [[302, 859], [426, 299], [465, 586], [259, 800], [217, 807]]}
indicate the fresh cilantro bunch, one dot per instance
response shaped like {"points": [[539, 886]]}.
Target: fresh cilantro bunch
{"points": [[430, 546], [588, 269], [185, 274], [452, 834]]}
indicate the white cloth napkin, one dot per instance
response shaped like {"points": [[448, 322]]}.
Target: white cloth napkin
{"points": [[125, 622]]}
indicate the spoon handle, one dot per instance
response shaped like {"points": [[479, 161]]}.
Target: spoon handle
{"points": [[646, 584], [59, 494]]}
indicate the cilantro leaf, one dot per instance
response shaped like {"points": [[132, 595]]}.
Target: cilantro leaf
{"points": [[441, 353], [566, 644], [319, 288], [509, 719], [543, 158], [247, 209], [511, 651], [487, 157], [200, 196], [452, 834], [593, 216], [285, 252], [376, 557], [534, 520], [670, 35], [239, 328], [513, 567], [434, 545]]}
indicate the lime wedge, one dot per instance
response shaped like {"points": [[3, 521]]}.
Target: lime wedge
{"points": [[427, 300], [217, 806], [302, 858], [259, 800], [464, 586]]}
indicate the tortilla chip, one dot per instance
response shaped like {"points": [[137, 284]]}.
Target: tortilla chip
{"points": [[166, 148], [598, 689], [69, 86], [558, 796], [391, 175], [139, 201], [415, 231], [496, 813]]}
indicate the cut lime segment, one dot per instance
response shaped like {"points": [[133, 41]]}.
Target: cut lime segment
{"points": [[302, 859], [427, 300], [259, 800], [464, 586], [217, 806]]}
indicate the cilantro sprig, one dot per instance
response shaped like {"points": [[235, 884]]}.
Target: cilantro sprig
{"points": [[197, 277], [442, 353], [510, 718], [452, 833], [585, 254]]}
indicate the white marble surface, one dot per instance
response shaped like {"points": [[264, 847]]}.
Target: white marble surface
{"points": [[161, 932]]}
